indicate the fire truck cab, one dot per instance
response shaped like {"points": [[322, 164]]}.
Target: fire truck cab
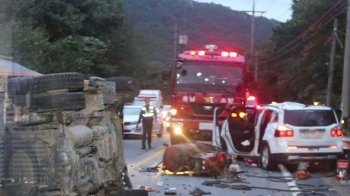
{"points": [[200, 81]]}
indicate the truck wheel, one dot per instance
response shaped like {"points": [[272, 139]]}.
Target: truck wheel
{"points": [[60, 81], [49, 102], [125, 84], [13, 85], [127, 181], [20, 160], [266, 162]]}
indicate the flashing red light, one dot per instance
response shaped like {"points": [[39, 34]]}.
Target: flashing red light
{"points": [[283, 131], [337, 133], [224, 54], [233, 54], [229, 54], [251, 98], [201, 53]]}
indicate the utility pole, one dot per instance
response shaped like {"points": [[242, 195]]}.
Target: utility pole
{"points": [[175, 40], [252, 40], [346, 72], [331, 64]]}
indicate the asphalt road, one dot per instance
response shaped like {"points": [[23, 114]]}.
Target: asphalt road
{"points": [[255, 180]]}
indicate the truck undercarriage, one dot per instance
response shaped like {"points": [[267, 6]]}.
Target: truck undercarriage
{"points": [[62, 136]]}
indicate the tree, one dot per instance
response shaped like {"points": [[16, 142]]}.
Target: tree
{"points": [[91, 37], [300, 50]]}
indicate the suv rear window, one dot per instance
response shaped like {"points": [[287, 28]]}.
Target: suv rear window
{"points": [[309, 117]]}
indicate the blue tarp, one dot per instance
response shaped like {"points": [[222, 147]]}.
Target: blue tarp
{"points": [[10, 68]]}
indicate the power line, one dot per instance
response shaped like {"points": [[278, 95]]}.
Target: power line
{"points": [[284, 13], [328, 17], [268, 7], [311, 27]]}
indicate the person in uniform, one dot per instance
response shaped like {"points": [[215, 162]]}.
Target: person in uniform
{"points": [[148, 114]]}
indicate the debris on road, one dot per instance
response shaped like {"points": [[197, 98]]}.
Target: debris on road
{"points": [[170, 191], [302, 172], [199, 192], [342, 169]]}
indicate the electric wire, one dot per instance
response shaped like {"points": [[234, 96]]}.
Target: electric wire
{"points": [[337, 12], [268, 7], [312, 26], [332, 13]]}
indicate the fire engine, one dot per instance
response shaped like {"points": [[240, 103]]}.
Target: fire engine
{"points": [[200, 81]]}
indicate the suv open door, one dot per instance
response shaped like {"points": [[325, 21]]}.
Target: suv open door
{"points": [[238, 130]]}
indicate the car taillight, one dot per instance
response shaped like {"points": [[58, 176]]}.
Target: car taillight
{"points": [[337, 132], [283, 131]]}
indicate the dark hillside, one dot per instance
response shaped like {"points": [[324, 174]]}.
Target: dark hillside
{"points": [[204, 23]]}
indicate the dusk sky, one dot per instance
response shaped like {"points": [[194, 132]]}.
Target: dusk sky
{"points": [[277, 9]]}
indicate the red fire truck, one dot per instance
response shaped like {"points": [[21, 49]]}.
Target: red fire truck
{"points": [[200, 81]]}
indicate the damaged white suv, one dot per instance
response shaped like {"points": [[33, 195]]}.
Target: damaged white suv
{"points": [[285, 132]]}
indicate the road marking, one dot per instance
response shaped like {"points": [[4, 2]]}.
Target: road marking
{"points": [[292, 185], [148, 158]]}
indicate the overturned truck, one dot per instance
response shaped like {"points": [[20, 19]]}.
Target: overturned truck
{"points": [[61, 135]]}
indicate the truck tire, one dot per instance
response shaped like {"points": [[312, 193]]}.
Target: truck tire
{"points": [[71, 81], [19, 160], [128, 86], [50, 102], [14, 85], [125, 84]]}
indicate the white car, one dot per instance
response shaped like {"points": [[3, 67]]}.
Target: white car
{"points": [[285, 132], [166, 117], [130, 119]]}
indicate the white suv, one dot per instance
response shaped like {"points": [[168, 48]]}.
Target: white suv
{"points": [[285, 132]]}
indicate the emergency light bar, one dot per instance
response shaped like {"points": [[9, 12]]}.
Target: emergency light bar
{"points": [[211, 53], [146, 96]]}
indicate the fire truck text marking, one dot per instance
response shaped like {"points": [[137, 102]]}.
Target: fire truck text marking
{"points": [[185, 99], [230, 100], [192, 99]]}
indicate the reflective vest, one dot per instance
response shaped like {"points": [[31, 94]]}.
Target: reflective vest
{"points": [[149, 112]]}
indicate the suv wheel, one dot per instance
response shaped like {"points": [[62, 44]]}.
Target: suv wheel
{"points": [[266, 162]]}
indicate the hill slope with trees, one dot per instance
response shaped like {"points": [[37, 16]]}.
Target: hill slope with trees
{"points": [[203, 23], [117, 37]]}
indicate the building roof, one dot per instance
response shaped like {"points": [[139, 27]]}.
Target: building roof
{"points": [[10, 68]]}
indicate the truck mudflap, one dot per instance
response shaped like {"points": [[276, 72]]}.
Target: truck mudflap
{"points": [[196, 157]]}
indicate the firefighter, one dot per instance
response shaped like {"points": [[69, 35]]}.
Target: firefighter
{"points": [[148, 114]]}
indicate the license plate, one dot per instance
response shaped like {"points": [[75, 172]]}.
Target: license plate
{"points": [[312, 133], [313, 149], [205, 126]]}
